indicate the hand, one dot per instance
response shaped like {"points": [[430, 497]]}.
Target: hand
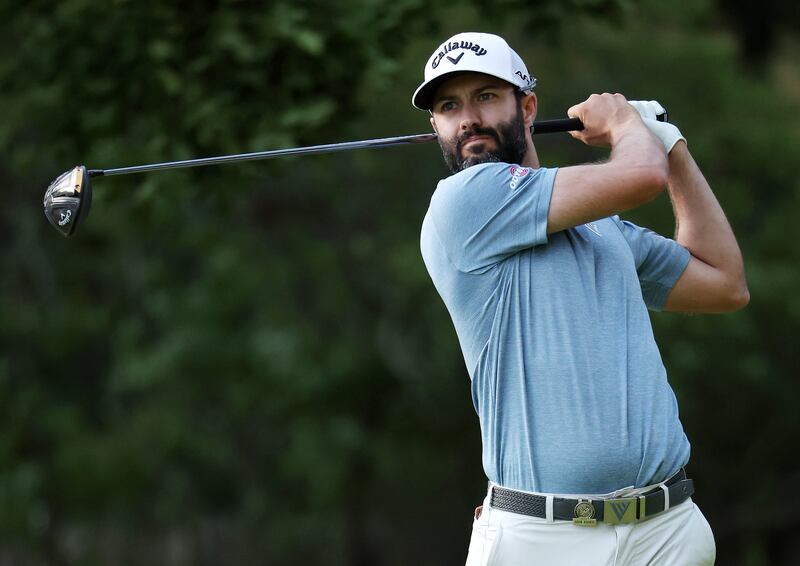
{"points": [[648, 108], [669, 134], [606, 117]]}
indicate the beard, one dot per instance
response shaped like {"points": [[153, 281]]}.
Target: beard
{"points": [[510, 145]]}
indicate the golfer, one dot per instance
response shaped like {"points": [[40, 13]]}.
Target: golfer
{"points": [[549, 292]]}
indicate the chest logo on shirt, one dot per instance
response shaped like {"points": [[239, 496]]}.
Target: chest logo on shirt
{"points": [[592, 227], [517, 173]]}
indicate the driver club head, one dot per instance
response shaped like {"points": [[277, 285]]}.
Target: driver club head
{"points": [[68, 199]]}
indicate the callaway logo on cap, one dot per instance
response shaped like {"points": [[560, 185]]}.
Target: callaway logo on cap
{"points": [[472, 52]]}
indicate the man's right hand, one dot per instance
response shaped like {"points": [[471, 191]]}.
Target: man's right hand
{"points": [[635, 173], [606, 118]]}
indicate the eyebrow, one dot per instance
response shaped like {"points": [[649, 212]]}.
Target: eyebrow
{"points": [[478, 90]]}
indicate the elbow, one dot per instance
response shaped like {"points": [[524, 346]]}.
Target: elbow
{"points": [[653, 177], [740, 299], [656, 185], [659, 174], [651, 184], [736, 298]]}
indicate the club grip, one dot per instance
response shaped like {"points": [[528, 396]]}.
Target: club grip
{"points": [[571, 124], [559, 125]]}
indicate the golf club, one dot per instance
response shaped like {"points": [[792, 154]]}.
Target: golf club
{"points": [[68, 198]]}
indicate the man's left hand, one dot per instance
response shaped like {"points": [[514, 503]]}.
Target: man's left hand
{"points": [[669, 134]]}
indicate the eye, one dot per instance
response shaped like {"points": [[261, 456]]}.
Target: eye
{"points": [[486, 96], [447, 105]]}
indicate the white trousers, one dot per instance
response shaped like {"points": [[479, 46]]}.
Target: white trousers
{"points": [[679, 536]]}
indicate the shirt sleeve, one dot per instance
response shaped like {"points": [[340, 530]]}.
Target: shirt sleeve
{"points": [[491, 211], [659, 261]]}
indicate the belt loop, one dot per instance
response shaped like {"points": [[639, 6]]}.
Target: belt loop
{"points": [[665, 489], [548, 508]]}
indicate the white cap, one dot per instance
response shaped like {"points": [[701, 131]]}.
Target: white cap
{"points": [[475, 53]]}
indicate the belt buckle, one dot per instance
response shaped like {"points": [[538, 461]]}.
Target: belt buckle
{"points": [[623, 510]]}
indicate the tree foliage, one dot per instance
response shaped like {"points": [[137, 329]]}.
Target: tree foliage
{"points": [[250, 361]]}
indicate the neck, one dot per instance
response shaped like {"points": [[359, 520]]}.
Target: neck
{"points": [[531, 158]]}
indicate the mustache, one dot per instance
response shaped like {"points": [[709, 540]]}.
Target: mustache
{"points": [[491, 132]]}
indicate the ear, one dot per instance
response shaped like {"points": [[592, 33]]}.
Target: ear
{"points": [[433, 125], [530, 106]]}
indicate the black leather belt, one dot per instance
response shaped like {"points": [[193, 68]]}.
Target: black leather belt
{"points": [[586, 512]]}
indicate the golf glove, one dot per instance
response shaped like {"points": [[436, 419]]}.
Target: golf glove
{"points": [[669, 134]]}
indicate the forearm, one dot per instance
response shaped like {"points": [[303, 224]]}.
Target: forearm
{"points": [[701, 225], [639, 153], [635, 173]]}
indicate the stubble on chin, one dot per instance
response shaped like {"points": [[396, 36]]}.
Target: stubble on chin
{"points": [[509, 141], [457, 159], [481, 155]]}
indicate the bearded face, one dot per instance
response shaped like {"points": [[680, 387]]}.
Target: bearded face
{"points": [[509, 144]]}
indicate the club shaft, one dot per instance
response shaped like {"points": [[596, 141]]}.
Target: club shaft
{"points": [[541, 127]]}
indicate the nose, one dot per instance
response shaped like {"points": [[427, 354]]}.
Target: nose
{"points": [[470, 117]]}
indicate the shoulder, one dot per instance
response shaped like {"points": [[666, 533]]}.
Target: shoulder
{"points": [[634, 233], [474, 180], [497, 172]]}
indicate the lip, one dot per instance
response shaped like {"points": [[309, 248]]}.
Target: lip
{"points": [[473, 139]]}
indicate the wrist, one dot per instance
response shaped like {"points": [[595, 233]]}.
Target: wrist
{"points": [[630, 126], [678, 158], [667, 133]]}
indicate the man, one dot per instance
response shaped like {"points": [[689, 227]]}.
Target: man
{"points": [[548, 291]]}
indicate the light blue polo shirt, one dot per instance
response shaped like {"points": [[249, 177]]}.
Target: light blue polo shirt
{"points": [[567, 379]]}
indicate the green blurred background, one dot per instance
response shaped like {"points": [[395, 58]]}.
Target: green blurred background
{"points": [[247, 364]]}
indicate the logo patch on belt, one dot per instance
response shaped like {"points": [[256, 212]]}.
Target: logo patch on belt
{"points": [[619, 511], [584, 515]]}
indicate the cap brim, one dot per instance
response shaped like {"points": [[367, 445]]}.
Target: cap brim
{"points": [[423, 96]]}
